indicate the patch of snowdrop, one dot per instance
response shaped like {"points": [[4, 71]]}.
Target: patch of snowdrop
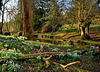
{"points": [[94, 47], [55, 50], [22, 38], [68, 50], [11, 66]]}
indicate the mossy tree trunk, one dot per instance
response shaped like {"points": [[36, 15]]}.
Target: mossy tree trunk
{"points": [[87, 31], [27, 19], [83, 36]]}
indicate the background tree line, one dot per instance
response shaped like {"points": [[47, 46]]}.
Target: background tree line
{"points": [[53, 15]]}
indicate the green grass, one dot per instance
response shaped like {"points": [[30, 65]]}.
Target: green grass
{"points": [[90, 41], [70, 30], [98, 28], [74, 35], [94, 25], [98, 35]]}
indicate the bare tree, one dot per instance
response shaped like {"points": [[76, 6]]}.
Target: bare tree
{"points": [[83, 11], [3, 10]]}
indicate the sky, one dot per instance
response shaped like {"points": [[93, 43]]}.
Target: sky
{"points": [[12, 4]]}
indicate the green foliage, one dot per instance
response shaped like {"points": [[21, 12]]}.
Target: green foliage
{"points": [[55, 50], [54, 17], [23, 48], [84, 24], [38, 59], [17, 43], [6, 46], [97, 28], [19, 18], [70, 30], [15, 35], [10, 66], [68, 50], [37, 23], [96, 57], [36, 46], [72, 56], [82, 20], [39, 10], [46, 46], [93, 47], [10, 53], [90, 41], [22, 38], [61, 56]]}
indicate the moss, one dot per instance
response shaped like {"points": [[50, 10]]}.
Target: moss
{"points": [[98, 35], [95, 28], [62, 61], [71, 30], [74, 35], [90, 41]]}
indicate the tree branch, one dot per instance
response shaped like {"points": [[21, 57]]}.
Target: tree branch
{"points": [[89, 10]]}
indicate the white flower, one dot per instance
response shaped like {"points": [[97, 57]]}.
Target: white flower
{"points": [[38, 57], [6, 45], [68, 50]]}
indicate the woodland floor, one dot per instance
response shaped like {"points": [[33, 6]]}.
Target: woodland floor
{"points": [[85, 54]]}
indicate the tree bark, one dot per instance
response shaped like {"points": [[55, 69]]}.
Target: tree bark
{"points": [[87, 32], [53, 29], [78, 26], [83, 33], [79, 16], [2, 21], [27, 19]]}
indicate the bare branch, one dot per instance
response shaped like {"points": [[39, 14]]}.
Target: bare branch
{"points": [[89, 10]]}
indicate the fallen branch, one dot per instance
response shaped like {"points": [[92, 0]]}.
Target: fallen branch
{"points": [[47, 62], [30, 56], [64, 66], [44, 53]]}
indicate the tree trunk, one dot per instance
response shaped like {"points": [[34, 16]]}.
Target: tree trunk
{"points": [[53, 28], [7, 26], [79, 16], [2, 22], [83, 33], [27, 19], [78, 26], [87, 32]]}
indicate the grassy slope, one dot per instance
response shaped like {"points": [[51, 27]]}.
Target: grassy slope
{"points": [[72, 34]]}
